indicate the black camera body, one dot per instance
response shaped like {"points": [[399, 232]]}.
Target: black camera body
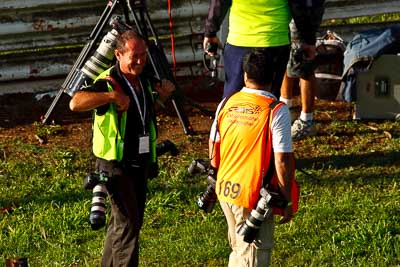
{"points": [[206, 200], [198, 166], [166, 146], [298, 54], [263, 210], [211, 47], [211, 61], [97, 183]]}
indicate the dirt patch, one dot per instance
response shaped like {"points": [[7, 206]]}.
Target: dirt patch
{"points": [[20, 115]]}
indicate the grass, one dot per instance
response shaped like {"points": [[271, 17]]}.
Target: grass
{"points": [[349, 213]]}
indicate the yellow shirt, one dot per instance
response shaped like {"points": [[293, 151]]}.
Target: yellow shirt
{"points": [[259, 23]]}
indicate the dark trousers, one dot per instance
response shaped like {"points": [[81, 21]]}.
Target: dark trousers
{"points": [[127, 193], [234, 76]]}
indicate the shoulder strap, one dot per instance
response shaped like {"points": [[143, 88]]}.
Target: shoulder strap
{"points": [[216, 119], [220, 108], [271, 168]]}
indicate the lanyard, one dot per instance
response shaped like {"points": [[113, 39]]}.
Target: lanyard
{"points": [[142, 114]]}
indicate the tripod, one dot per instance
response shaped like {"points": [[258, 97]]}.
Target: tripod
{"points": [[77, 77]]}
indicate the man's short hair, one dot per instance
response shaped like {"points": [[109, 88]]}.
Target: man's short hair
{"points": [[124, 37], [258, 67]]}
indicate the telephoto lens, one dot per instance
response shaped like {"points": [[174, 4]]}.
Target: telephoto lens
{"points": [[102, 57], [97, 216], [250, 227], [96, 64], [97, 183]]}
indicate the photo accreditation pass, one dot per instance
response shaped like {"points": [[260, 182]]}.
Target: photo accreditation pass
{"points": [[144, 144]]}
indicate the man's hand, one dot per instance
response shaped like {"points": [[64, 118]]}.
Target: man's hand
{"points": [[120, 99], [287, 215], [208, 40], [309, 52], [165, 89]]}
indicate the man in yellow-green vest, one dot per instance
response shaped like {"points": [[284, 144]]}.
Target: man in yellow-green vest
{"points": [[124, 142]]}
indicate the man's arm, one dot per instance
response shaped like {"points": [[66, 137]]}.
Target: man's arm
{"points": [[85, 100], [284, 165], [307, 15], [216, 14], [213, 148]]}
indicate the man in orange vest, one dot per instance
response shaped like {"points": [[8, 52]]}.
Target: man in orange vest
{"points": [[251, 129]]}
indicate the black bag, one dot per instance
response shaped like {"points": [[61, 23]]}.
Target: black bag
{"points": [[329, 65]]}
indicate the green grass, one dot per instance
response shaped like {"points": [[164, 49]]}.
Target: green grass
{"points": [[349, 213]]}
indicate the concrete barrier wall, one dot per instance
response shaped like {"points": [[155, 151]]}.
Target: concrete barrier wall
{"points": [[41, 39]]}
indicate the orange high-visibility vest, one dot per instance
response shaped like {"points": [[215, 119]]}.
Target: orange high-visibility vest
{"points": [[245, 149]]}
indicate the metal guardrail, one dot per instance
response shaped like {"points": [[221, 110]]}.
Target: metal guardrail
{"points": [[40, 39]]}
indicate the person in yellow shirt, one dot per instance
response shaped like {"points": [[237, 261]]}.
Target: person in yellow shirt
{"points": [[259, 24]]}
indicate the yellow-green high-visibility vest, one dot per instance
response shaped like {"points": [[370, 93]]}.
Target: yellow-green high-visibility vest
{"points": [[109, 129]]}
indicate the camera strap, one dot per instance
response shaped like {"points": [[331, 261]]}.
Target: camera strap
{"points": [[220, 107]]}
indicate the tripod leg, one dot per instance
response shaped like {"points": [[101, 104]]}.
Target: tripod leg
{"points": [[157, 58], [162, 70], [52, 106], [83, 56]]}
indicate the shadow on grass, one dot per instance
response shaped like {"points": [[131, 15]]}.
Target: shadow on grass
{"points": [[61, 198], [339, 168], [351, 160]]}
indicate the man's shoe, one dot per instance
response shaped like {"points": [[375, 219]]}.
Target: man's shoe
{"points": [[301, 129]]}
